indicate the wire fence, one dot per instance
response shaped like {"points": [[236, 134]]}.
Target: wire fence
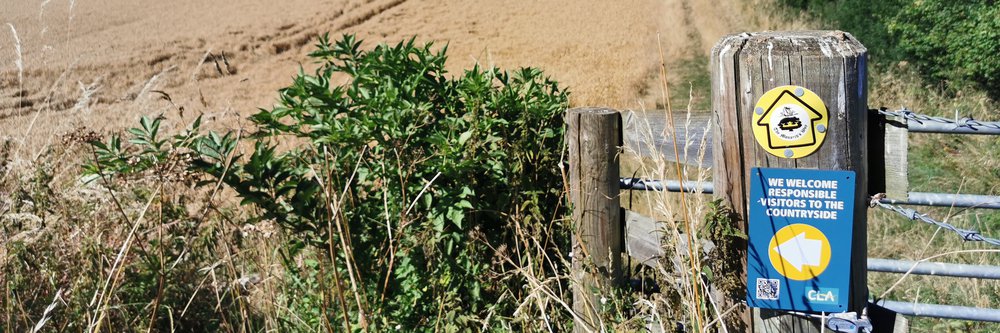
{"points": [[966, 234], [916, 122]]}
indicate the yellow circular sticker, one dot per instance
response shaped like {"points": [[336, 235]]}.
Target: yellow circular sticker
{"points": [[790, 122], [799, 252]]}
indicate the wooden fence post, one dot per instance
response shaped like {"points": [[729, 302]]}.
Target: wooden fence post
{"points": [[594, 138], [833, 65]]}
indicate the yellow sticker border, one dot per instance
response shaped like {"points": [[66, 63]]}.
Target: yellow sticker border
{"points": [[807, 99]]}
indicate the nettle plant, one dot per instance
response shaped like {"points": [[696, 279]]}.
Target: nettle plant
{"points": [[430, 187]]}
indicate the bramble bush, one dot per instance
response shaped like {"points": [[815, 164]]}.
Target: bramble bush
{"points": [[428, 189]]}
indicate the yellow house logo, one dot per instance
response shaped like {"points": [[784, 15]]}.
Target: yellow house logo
{"points": [[790, 122]]}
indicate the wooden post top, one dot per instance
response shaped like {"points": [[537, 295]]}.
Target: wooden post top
{"points": [[834, 43]]}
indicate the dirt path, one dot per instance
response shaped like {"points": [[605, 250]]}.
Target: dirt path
{"points": [[104, 63]]}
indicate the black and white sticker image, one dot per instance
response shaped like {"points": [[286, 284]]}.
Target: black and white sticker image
{"points": [[791, 122]]}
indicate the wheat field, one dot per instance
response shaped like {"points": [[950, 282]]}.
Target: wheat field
{"points": [[103, 64]]}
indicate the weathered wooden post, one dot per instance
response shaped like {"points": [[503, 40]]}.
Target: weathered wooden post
{"points": [[594, 138], [805, 95]]}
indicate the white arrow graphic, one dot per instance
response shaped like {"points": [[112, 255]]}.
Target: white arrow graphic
{"points": [[801, 251]]}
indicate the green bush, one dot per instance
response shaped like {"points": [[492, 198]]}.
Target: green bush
{"points": [[428, 188], [952, 40]]}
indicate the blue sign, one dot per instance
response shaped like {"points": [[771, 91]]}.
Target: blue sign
{"points": [[800, 226]]}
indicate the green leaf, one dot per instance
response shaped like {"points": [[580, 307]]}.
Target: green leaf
{"points": [[708, 273], [456, 216], [462, 139], [438, 223]]}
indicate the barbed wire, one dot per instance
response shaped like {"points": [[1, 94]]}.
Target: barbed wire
{"points": [[966, 234], [966, 122]]}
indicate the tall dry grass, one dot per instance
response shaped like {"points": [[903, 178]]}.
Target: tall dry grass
{"points": [[137, 254], [149, 253]]}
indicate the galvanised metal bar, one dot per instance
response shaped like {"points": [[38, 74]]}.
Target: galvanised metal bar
{"points": [[942, 311], [936, 127], [921, 123], [915, 198], [934, 268], [668, 185], [948, 200]]}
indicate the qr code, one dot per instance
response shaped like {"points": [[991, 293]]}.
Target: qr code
{"points": [[768, 289]]}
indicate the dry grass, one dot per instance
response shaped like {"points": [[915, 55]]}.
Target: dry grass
{"points": [[683, 295]]}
